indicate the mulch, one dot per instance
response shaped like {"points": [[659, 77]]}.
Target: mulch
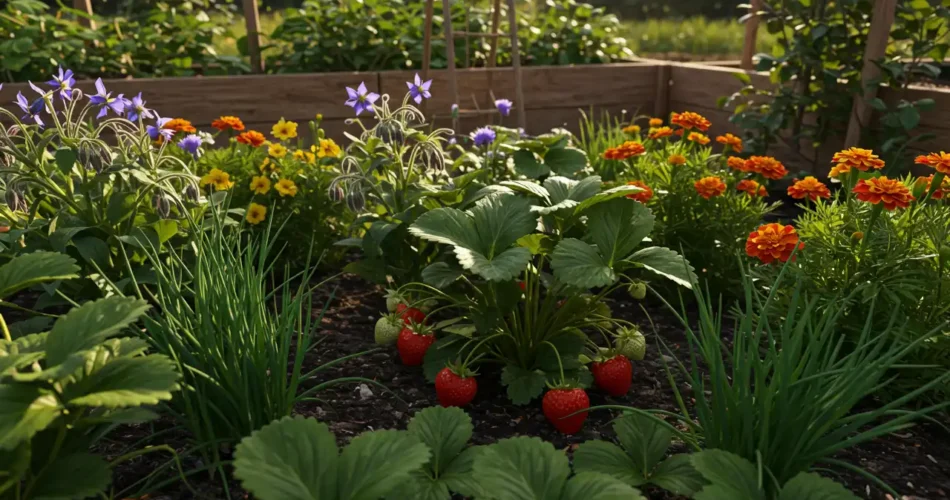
{"points": [[916, 462]]}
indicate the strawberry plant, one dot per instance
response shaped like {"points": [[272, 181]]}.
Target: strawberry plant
{"points": [[64, 385], [455, 386], [563, 405], [568, 244]]}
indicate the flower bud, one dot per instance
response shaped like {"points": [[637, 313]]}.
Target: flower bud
{"points": [[355, 201], [191, 192], [455, 111], [163, 207], [856, 237], [335, 193], [92, 158], [15, 200], [390, 132]]}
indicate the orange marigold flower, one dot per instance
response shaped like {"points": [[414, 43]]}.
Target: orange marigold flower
{"points": [[624, 151], [942, 190], [861, 159], [734, 143], [771, 242], [751, 188], [676, 159], [179, 125], [656, 122], [228, 122], [891, 192], [810, 188], [641, 196], [689, 120], [631, 129], [767, 167], [740, 164], [939, 161], [251, 138], [837, 170], [657, 133], [707, 187], [697, 137]]}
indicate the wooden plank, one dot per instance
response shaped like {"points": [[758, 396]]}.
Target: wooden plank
{"points": [[253, 98], [751, 35], [253, 21], [85, 6], [633, 85], [661, 107], [516, 63], [881, 20]]}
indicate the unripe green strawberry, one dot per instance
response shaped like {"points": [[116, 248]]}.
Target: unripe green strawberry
{"points": [[387, 329], [637, 290], [393, 299], [631, 343]]}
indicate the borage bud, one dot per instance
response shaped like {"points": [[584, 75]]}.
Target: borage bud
{"points": [[15, 200], [355, 201], [163, 207], [191, 193], [335, 193]]}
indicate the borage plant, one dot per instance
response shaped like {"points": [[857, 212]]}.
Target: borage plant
{"points": [[532, 266]]}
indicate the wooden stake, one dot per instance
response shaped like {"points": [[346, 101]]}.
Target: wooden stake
{"points": [[516, 63], [493, 52], [661, 107], [85, 6], [253, 20], [427, 40], [450, 54], [751, 35], [881, 21]]}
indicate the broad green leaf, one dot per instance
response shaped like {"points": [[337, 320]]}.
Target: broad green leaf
{"points": [[559, 188], [500, 221], [569, 346], [610, 194], [565, 161], [522, 468], [814, 487], [731, 476], [166, 229], [523, 385], [89, 324], [65, 160], [373, 239], [460, 477], [677, 475], [585, 188], [527, 187], [61, 237], [666, 263], [617, 227], [94, 250], [528, 165], [537, 243], [290, 459], [447, 226], [24, 411], [505, 266], [30, 269], [445, 431], [125, 382], [579, 264], [644, 438], [29, 326], [588, 485], [607, 458], [440, 274], [544, 210], [376, 462], [120, 207], [76, 475], [909, 117]]}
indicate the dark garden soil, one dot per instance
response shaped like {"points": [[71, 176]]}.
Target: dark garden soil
{"points": [[916, 462]]}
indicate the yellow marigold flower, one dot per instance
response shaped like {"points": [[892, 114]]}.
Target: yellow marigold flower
{"points": [[269, 167], [631, 129], [939, 161], [286, 187], [676, 159], [260, 184], [326, 149], [284, 130], [697, 137], [732, 142], [300, 155], [218, 178], [256, 213], [656, 122], [837, 170], [311, 158], [689, 120], [277, 150], [861, 159], [657, 133]]}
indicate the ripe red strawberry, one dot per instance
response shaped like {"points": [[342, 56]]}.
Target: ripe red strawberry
{"points": [[558, 403], [412, 345], [522, 286], [614, 375], [454, 387], [410, 315]]}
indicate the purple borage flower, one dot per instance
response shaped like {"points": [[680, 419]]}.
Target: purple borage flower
{"points": [[105, 101], [137, 108], [63, 83], [418, 89], [483, 136], [32, 110], [361, 99], [504, 106], [191, 144], [156, 131]]}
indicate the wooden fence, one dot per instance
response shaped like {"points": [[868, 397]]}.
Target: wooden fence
{"points": [[553, 96]]}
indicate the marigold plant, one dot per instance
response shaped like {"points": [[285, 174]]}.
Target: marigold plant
{"points": [[711, 186], [938, 161], [810, 188], [690, 120], [773, 242], [891, 193], [252, 138], [731, 142]]}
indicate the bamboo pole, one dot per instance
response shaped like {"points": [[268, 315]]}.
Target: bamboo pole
{"points": [[878, 36], [253, 21], [516, 63], [751, 35]]}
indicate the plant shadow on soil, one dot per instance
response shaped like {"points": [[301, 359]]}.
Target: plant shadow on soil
{"points": [[916, 462]]}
